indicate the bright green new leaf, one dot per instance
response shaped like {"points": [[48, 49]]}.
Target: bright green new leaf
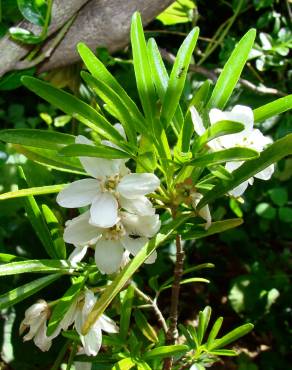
{"points": [[19, 294], [55, 231], [231, 337], [178, 77], [161, 78], [223, 156], [32, 191], [116, 105], [204, 318], [99, 71], [39, 266], [124, 364], [272, 154], [74, 107], [278, 106], [98, 150], [214, 331], [232, 71], [64, 303], [179, 12], [37, 138], [142, 69], [224, 352], [165, 351], [186, 281]]}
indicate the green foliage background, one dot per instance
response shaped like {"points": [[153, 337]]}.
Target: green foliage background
{"points": [[251, 280]]}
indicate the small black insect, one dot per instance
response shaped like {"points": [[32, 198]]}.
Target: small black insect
{"points": [[181, 72]]}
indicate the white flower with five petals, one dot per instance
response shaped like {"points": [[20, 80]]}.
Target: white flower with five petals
{"points": [[248, 137], [130, 234], [112, 186], [77, 314]]}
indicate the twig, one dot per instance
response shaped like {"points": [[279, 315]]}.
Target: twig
{"points": [[155, 308], [172, 333], [24, 64], [213, 75]]}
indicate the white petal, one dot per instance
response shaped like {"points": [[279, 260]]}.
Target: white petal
{"points": [[121, 131], [204, 212], [108, 255], [239, 190], [137, 184], [97, 167], [68, 318], [41, 340], [83, 365], [266, 174], [140, 225], [78, 194], [197, 121], [92, 341], [79, 232], [140, 206], [232, 166], [152, 258], [107, 324], [134, 245], [37, 309], [78, 254], [104, 210], [89, 302]]}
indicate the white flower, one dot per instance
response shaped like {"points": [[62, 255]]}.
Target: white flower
{"points": [[130, 234], [36, 320], [111, 186], [78, 313], [248, 137], [204, 212]]}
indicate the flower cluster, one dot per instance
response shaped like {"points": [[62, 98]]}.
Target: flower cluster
{"points": [[37, 315], [249, 137], [120, 218]]}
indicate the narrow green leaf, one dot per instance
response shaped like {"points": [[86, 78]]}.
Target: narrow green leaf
{"points": [[204, 318], [278, 106], [161, 78], [232, 71], [165, 351], [178, 76], [113, 289], [231, 336], [215, 228], [34, 11], [55, 231], [6, 258], [99, 71], [187, 281], [124, 364], [99, 151], [223, 156], [19, 294], [146, 329], [37, 138], [200, 97], [142, 68], [220, 128], [278, 150], [74, 107], [117, 106], [37, 220], [64, 304], [214, 331], [126, 310], [50, 158], [224, 352], [33, 191], [41, 266], [187, 335]]}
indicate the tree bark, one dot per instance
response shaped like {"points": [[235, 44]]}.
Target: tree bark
{"points": [[99, 23]]}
